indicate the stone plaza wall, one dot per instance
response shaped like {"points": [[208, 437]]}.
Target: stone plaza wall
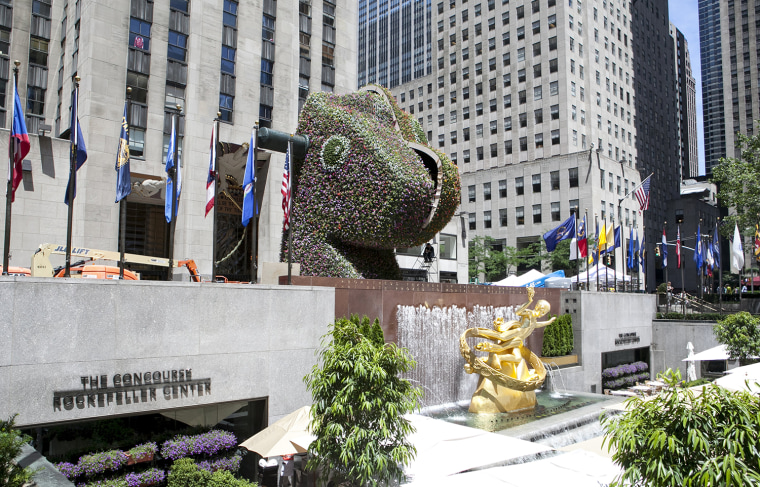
{"points": [[669, 340], [75, 349]]}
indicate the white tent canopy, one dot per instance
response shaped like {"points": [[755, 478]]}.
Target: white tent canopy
{"points": [[605, 274], [517, 281], [715, 353]]}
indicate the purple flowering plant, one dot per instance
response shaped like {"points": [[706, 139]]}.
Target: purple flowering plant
{"points": [[210, 443], [148, 477], [625, 375], [143, 450], [98, 463], [362, 189], [231, 464]]}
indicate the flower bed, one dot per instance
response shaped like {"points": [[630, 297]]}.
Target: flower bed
{"points": [[230, 463], [151, 476], [625, 375], [210, 443]]}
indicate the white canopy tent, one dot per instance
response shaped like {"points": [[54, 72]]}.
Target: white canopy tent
{"points": [[715, 353], [517, 281], [605, 274]]}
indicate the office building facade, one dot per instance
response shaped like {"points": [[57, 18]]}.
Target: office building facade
{"points": [[238, 59], [538, 104], [686, 102]]}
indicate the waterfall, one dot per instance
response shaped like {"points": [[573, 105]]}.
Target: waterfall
{"points": [[432, 337]]}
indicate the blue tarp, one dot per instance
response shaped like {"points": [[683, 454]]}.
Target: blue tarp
{"points": [[540, 282]]}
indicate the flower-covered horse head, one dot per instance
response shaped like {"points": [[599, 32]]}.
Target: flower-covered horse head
{"points": [[369, 183]]}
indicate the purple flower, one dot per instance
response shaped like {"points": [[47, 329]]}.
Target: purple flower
{"points": [[210, 443]]}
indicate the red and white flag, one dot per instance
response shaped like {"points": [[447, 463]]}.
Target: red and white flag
{"points": [[678, 247], [211, 180], [285, 190]]}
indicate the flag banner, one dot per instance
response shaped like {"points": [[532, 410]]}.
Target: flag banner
{"points": [[629, 254], [582, 238], [636, 252], [285, 190], [664, 249], [19, 144], [211, 179], [618, 238], [250, 207], [574, 249], [123, 177], [709, 256], [737, 252], [643, 253], [563, 232], [716, 247], [757, 242], [698, 260], [170, 207], [642, 194], [602, 239], [678, 248], [78, 149]]}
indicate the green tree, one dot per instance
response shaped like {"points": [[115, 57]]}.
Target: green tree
{"points": [[185, 473], [485, 259], [680, 437], [740, 334], [738, 180], [529, 256], [560, 259], [359, 403], [11, 441]]}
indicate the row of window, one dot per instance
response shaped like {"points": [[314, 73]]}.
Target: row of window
{"points": [[519, 215], [554, 184]]}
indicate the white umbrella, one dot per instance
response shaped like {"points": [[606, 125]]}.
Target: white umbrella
{"points": [[741, 381], [691, 369], [715, 353], [278, 438]]}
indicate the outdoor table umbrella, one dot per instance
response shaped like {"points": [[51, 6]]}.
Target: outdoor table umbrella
{"points": [[275, 440]]}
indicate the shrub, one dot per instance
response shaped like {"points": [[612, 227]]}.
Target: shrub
{"points": [[558, 337], [682, 438], [740, 334], [185, 473], [223, 478], [210, 443], [11, 441]]}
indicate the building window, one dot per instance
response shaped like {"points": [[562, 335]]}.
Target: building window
{"points": [[520, 215], [575, 207], [486, 191], [523, 144], [503, 217], [555, 112], [471, 218], [536, 213], [539, 140], [536, 183], [267, 28], [487, 219], [572, 174], [555, 137], [471, 193], [555, 212], [538, 115], [502, 188], [267, 68], [228, 59], [139, 34], [177, 46], [554, 180], [519, 186]]}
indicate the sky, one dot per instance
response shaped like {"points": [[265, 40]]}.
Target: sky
{"points": [[684, 14]]}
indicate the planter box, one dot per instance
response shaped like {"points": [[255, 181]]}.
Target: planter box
{"points": [[561, 361], [146, 457]]}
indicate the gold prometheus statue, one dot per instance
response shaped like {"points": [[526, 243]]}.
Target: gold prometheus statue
{"points": [[511, 373]]}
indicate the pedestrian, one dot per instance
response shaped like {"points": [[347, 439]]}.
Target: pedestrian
{"points": [[287, 469]]}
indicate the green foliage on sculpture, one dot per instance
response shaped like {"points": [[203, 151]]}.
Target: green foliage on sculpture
{"points": [[369, 183]]}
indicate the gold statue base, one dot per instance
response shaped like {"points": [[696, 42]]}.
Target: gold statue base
{"points": [[493, 398]]}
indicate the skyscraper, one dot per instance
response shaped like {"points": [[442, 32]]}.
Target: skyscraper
{"points": [[550, 106], [686, 102], [236, 58]]}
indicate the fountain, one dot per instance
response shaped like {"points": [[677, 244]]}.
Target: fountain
{"points": [[432, 335]]}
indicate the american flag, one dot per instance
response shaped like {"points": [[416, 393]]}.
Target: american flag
{"points": [[285, 190], [642, 194], [211, 181]]}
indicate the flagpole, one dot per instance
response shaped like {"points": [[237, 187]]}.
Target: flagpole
{"points": [[577, 255], [585, 219], [598, 250], [667, 282], [72, 174], [701, 269], [9, 191], [173, 175], [290, 219], [215, 141], [643, 250], [255, 217], [123, 201]]}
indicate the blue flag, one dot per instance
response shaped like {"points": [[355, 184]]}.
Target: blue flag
{"points": [[250, 207], [643, 253], [171, 163], [78, 149], [716, 247], [698, 249], [629, 262], [563, 232], [664, 249], [636, 251], [123, 178]]}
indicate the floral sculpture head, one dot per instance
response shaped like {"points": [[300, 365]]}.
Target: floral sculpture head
{"points": [[369, 183]]}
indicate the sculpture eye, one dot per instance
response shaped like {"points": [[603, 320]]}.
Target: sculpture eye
{"points": [[334, 152]]}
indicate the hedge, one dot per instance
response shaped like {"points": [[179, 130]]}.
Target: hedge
{"points": [[558, 337]]}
